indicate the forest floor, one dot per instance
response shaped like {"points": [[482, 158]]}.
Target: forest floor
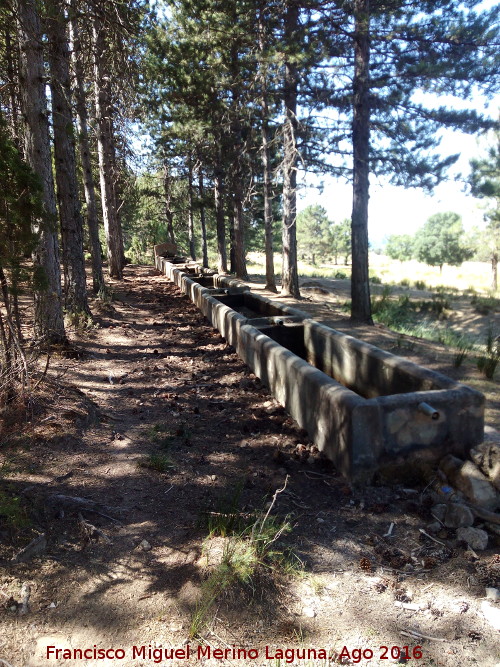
{"points": [[168, 436]]}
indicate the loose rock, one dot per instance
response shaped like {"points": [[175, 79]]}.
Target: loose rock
{"points": [[493, 594], [145, 545], [453, 515], [491, 614], [309, 612], [476, 538], [487, 457], [467, 477]]}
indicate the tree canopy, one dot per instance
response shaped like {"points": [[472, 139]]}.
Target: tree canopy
{"points": [[440, 241]]}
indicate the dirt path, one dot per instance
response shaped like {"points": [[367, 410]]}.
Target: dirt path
{"points": [[157, 388]]}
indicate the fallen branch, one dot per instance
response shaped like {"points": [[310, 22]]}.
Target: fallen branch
{"points": [[432, 538], [276, 493], [4, 662], [34, 548], [91, 531], [25, 597], [80, 504], [37, 383], [490, 517], [417, 635]]}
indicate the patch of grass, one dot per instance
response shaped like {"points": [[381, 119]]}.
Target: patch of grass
{"points": [[165, 435], [254, 549], [13, 512], [340, 275], [488, 362], [464, 345], [161, 434], [485, 305], [78, 320], [420, 285], [375, 280], [158, 462], [226, 519], [105, 295]]}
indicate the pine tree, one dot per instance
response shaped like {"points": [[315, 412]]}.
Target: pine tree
{"points": [[75, 290], [485, 184], [49, 323]]}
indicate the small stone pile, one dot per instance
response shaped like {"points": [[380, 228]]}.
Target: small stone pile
{"points": [[472, 496]]}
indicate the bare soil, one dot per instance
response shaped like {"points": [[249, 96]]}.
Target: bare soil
{"points": [[154, 378]]}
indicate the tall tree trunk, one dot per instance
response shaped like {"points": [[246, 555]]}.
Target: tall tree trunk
{"points": [[230, 217], [220, 220], [75, 290], [266, 164], [192, 251], [494, 271], [290, 279], [240, 267], [360, 285], [167, 190], [98, 284], [105, 143], [49, 322], [201, 193]]}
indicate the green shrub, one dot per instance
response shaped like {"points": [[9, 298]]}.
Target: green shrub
{"points": [[488, 362], [13, 512], [158, 462]]}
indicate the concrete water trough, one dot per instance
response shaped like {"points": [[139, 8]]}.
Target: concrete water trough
{"points": [[362, 406]]}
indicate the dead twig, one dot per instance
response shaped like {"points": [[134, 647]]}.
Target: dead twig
{"points": [[432, 538], [34, 548], [262, 523], [42, 376], [25, 597], [417, 635], [491, 517], [4, 662], [90, 531]]}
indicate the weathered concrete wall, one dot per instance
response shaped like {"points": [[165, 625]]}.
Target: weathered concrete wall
{"points": [[360, 405]]}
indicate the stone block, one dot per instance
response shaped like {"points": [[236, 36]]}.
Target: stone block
{"points": [[165, 250]]}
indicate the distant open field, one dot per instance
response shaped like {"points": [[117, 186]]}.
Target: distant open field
{"points": [[469, 277]]}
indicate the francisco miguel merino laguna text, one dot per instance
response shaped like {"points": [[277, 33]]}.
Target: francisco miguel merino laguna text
{"points": [[158, 654]]}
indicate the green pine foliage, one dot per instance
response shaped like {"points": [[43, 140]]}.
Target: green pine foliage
{"points": [[21, 209]]}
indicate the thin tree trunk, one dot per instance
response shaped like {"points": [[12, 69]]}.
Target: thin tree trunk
{"points": [[98, 283], [220, 220], [49, 322], [105, 140], [240, 267], [116, 185], [290, 279], [167, 189], [494, 271], [266, 166], [201, 192], [192, 251], [360, 285], [75, 290], [230, 216], [268, 211]]}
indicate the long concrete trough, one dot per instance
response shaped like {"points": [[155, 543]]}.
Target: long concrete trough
{"points": [[363, 407]]}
